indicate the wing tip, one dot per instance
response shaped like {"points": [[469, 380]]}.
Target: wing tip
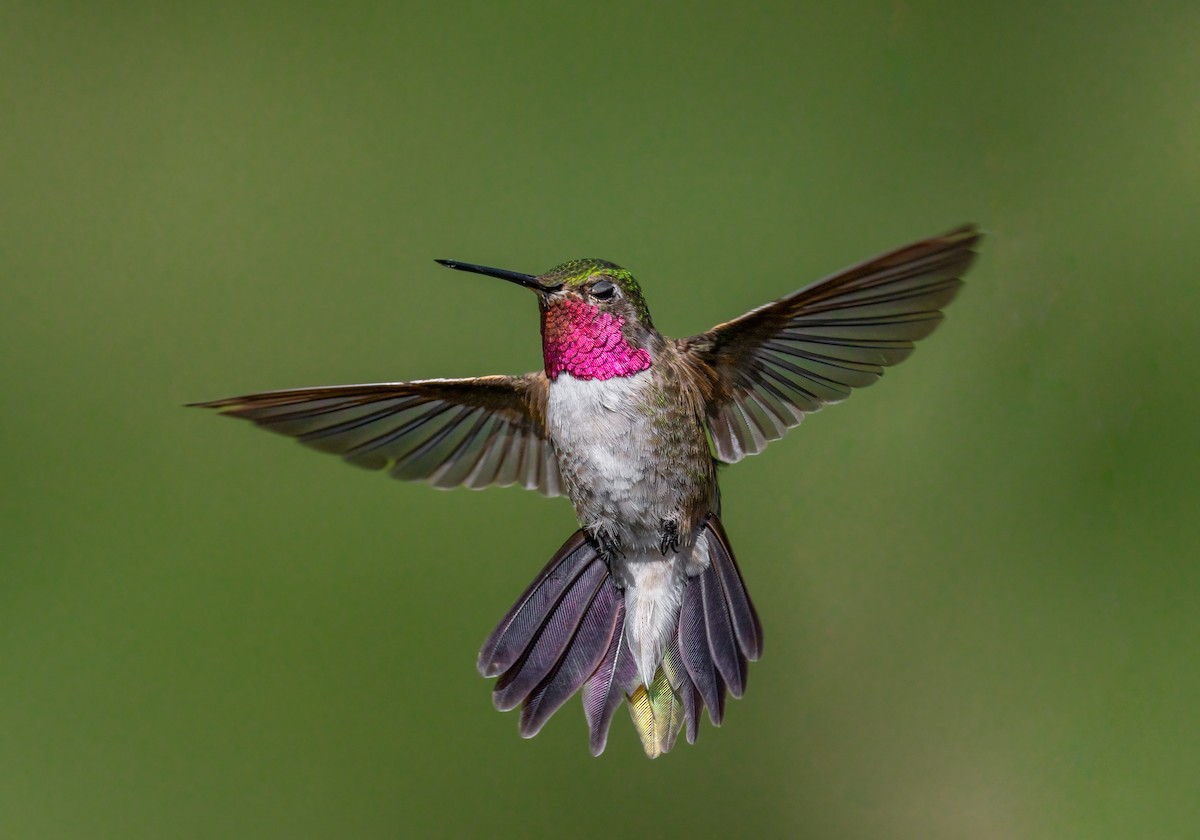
{"points": [[968, 232], [212, 404], [962, 238]]}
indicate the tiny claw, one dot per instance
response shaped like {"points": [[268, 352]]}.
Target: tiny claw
{"points": [[609, 548], [670, 537]]}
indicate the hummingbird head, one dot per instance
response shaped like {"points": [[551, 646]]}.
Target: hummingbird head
{"points": [[602, 285], [595, 322]]}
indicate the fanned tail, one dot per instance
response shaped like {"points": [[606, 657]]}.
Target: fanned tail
{"points": [[567, 632]]}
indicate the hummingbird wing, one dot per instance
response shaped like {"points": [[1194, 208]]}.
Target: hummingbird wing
{"points": [[449, 432], [762, 372]]}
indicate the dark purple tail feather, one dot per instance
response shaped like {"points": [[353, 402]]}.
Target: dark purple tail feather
{"points": [[605, 690], [513, 634], [694, 650], [581, 660], [726, 655], [743, 616], [550, 643], [692, 704]]}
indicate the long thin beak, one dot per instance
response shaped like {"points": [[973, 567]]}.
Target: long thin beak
{"points": [[526, 280]]}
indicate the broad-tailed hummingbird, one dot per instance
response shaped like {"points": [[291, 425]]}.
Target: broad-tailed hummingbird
{"points": [[644, 604]]}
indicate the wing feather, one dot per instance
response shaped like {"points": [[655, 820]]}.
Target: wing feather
{"points": [[764, 371], [450, 432]]}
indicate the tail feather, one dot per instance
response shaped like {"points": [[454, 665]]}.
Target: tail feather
{"points": [[641, 709], [697, 659], [516, 630], [657, 709], [590, 643], [722, 645], [550, 644], [691, 710], [743, 616], [604, 690], [678, 683]]}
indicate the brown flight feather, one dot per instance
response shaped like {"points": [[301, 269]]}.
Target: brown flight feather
{"points": [[761, 373], [478, 432]]}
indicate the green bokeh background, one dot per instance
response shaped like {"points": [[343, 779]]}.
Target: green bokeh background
{"points": [[979, 578]]}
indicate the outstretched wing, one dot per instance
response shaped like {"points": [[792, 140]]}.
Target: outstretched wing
{"points": [[765, 370], [449, 432]]}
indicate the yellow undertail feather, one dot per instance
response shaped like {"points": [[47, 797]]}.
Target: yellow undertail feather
{"points": [[657, 712]]}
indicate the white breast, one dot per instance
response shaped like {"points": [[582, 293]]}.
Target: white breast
{"points": [[602, 434], [598, 415]]}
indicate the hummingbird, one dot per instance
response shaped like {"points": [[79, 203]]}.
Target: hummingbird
{"points": [[645, 604]]}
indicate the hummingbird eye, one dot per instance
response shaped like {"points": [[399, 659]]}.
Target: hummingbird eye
{"points": [[603, 290]]}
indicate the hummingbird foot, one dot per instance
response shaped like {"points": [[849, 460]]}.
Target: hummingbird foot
{"points": [[610, 549], [670, 537]]}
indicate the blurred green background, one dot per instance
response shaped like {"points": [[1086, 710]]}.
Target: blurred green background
{"points": [[979, 579]]}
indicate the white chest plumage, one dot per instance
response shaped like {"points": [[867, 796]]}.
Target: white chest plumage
{"points": [[602, 434]]}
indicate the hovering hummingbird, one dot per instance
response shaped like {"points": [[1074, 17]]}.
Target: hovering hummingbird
{"points": [[645, 603]]}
